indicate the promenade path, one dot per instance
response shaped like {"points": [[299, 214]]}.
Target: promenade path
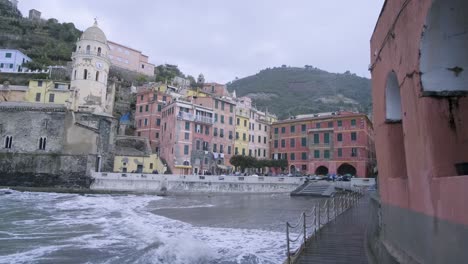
{"points": [[340, 241]]}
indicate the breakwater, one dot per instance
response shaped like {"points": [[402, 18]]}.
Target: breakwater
{"points": [[157, 183]]}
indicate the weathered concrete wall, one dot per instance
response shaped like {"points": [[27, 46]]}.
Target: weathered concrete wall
{"points": [[193, 183]]}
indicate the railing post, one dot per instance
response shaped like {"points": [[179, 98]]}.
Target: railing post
{"points": [[319, 209], [305, 228], [315, 220], [287, 243], [328, 212]]}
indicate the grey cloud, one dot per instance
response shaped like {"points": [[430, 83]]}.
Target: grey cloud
{"points": [[225, 39]]}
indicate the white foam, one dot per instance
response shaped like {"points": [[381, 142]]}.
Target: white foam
{"points": [[125, 222], [30, 255]]}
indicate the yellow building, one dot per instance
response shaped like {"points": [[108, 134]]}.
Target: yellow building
{"points": [[196, 92], [49, 92], [241, 143], [139, 164]]}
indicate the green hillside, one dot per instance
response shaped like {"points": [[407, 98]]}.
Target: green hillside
{"points": [[47, 42], [288, 91]]}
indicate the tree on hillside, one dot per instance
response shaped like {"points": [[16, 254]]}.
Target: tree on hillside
{"points": [[8, 10], [193, 82], [167, 72]]}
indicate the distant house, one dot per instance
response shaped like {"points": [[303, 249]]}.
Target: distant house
{"points": [[34, 15], [130, 59], [133, 155], [12, 60]]}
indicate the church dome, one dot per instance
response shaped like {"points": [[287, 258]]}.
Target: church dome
{"points": [[94, 33]]}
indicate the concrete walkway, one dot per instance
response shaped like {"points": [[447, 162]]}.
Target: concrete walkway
{"points": [[340, 241]]}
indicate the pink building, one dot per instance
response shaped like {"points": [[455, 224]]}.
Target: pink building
{"points": [[222, 142], [419, 68], [215, 89], [329, 143], [186, 133], [130, 59], [148, 115]]}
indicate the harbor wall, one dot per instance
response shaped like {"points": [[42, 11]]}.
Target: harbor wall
{"points": [[158, 183]]}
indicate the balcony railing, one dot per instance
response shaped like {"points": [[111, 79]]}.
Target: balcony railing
{"points": [[195, 118], [203, 119], [91, 53]]}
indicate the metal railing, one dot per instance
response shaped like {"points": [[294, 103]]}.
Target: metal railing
{"points": [[309, 223]]}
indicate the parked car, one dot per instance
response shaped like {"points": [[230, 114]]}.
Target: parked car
{"points": [[346, 178]]}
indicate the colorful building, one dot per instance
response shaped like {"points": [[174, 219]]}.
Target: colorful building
{"points": [[12, 60], [149, 103], [327, 143], [133, 155], [130, 59], [49, 92], [185, 138], [419, 82], [260, 126], [252, 130], [242, 137], [215, 89], [222, 140]]}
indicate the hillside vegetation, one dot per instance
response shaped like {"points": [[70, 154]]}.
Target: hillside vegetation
{"points": [[288, 91], [47, 42]]}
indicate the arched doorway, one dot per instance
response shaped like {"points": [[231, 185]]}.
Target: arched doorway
{"points": [[444, 56], [321, 170], [346, 168]]}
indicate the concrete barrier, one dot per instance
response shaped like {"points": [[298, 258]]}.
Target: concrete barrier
{"points": [[193, 183], [362, 182]]}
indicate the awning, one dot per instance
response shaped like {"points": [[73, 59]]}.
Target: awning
{"points": [[183, 166]]}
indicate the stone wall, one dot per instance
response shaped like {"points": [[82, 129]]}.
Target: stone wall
{"points": [[44, 170], [76, 145]]}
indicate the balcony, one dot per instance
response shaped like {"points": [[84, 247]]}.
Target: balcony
{"points": [[99, 55], [195, 118], [204, 119]]}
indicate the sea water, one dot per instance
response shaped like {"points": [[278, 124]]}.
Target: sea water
{"points": [[72, 228]]}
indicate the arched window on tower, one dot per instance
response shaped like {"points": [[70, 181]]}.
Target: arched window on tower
{"points": [[74, 75], [99, 51], [97, 76], [88, 49], [85, 74]]}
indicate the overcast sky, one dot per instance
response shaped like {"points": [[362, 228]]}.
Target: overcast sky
{"points": [[228, 39]]}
